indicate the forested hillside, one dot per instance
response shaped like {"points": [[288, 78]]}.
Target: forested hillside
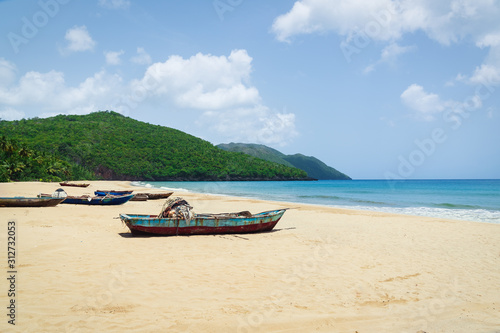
{"points": [[18, 162], [113, 146], [314, 167]]}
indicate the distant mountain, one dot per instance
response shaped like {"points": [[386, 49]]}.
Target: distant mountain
{"points": [[108, 145], [314, 167]]}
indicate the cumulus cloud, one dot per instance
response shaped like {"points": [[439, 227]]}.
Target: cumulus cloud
{"points": [[142, 57], [78, 40], [217, 87], [445, 21], [48, 93], [114, 4], [113, 57], [387, 21], [486, 74], [256, 124], [344, 17], [203, 81], [425, 104], [7, 72], [11, 114], [389, 55], [220, 87]]}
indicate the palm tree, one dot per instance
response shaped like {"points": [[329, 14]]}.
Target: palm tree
{"points": [[7, 145]]}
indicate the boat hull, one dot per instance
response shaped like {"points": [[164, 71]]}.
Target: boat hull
{"points": [[30, 202], [100, 193], [201, 225], [74, 184], [101, 201]]}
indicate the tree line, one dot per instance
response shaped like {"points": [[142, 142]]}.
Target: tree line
{"points": [[108, 145]]}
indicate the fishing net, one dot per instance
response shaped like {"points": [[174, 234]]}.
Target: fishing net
{"points": [[177, 208]]}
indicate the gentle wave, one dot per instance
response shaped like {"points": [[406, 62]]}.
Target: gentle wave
{"points": [[474, 215], [457, 206], [337, 198], [417, 198]]}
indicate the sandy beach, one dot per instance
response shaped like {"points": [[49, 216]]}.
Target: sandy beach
{"points": [[78, 269]]}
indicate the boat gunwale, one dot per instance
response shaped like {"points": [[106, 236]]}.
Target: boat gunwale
{"points": [[131, 217]]}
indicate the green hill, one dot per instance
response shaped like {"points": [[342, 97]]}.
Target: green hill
{"points": [[113, 146], [314, 167], [256, 150]]}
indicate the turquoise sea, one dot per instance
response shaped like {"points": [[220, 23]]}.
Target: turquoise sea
{"points": [[472, 200]]}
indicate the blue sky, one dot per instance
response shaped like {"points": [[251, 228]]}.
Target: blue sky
{"points": [[375, 88]]}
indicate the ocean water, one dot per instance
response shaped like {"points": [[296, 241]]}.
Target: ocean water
{"points": [[472, 200]]}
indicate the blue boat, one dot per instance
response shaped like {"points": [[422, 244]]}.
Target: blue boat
{"points": [[98, 200], [203, 224]]}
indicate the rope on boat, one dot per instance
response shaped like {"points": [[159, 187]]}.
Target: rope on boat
{"points": [[177, 208]]}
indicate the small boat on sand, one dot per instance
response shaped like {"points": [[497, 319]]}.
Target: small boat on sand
{"points": [[30, 202], [178, 219], [156, 196], [98, 200], [102, 193], [74, 184], [140, 197]]}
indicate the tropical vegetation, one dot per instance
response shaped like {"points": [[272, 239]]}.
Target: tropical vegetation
{"points": [[313, 166], [19, 162], [109, 145]]}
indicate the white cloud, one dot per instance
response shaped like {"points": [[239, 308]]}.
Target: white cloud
{"points": [[49, 93], [426, 104], [78, 39], [11, 114], [142, 57], [203, 81], [220, 87], [362, 21], [389, 55], [345, 17], [7, 72], [387, 20], [251, 124], [217, 86], [113, 57], [486, 74], [114, 4], [393, 51]]}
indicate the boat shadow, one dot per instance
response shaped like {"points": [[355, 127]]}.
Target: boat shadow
{"points": [[130, 235]]}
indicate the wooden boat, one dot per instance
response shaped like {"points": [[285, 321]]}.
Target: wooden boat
{"points": [[98, 200], [140, 197], [102, 193], [156, 196], [151, 196], [30, 202], [203, 224], [74, 184]]}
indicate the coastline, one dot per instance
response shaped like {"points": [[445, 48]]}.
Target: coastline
{"points": [[448, 199], [322, 268]]}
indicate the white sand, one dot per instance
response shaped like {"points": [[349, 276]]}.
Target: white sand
{"points": [[320, 270]]}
